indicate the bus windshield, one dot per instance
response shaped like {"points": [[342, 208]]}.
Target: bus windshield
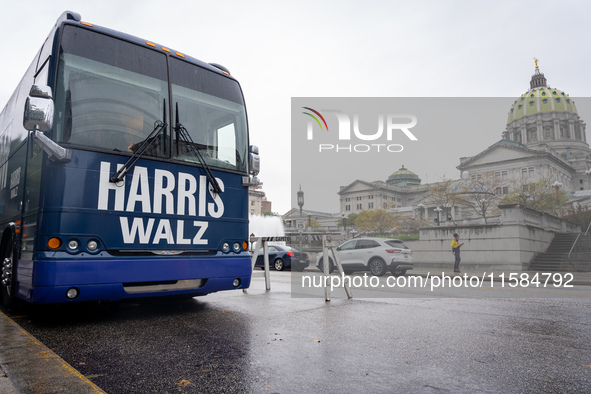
{"points": [[211, 108], [111, 94]]}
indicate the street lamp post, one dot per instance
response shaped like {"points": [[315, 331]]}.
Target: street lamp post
{"points": [[301, 205], [300, 199], [421, 207], [438, 210]]}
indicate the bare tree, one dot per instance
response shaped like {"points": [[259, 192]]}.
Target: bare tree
{"points": [[444, 195], [481, 195]]}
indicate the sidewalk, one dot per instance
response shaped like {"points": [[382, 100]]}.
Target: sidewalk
{"points": [[28, 366]]}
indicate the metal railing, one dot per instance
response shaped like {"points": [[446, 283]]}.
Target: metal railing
{"points": [[575, 243]]}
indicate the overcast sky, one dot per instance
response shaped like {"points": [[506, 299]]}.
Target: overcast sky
{"points": [[283, 49]]}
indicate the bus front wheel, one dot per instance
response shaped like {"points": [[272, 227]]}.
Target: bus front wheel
{"points": [[7, 281]]}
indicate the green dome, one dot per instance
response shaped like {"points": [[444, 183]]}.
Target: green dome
{"points": [[404, 177], [540, 99]]}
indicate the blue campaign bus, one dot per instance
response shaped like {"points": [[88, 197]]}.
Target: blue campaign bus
{"points": [[124, 172]]}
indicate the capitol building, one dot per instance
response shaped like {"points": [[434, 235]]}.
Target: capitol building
{"points": [[544, 139]]}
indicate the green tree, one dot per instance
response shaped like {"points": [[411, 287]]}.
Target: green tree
{"points": [[378, 221], [580, 215], [544, 195], [351, 219]]}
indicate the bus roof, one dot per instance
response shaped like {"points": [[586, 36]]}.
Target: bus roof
{"points": [[73, 18]]}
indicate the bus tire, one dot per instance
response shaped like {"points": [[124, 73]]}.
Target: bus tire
{"points": [[8, 278]]}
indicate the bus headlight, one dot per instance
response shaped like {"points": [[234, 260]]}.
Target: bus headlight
{"points": [[226, 247], [236, 247], [92, 245], [73, 244]]}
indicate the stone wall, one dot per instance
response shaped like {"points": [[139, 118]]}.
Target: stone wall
{"points": [[509, 245]]}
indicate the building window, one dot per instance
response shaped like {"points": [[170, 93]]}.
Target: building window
{"points": [[347, 207], [371, 196], [532, 134], [370, 205], [476, 177], [358, 198], [527, 172], [502, 175], [502, 190], [359, 206]]}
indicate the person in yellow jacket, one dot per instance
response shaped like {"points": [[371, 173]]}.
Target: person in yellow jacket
{"points": [[455, 248]]}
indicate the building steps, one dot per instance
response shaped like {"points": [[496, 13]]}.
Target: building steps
{"points": [[556, 257]]}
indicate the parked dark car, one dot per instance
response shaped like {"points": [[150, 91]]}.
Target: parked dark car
{"points": [[284, 257]]}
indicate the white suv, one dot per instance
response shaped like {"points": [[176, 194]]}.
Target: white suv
{"points": [[376, 255]]}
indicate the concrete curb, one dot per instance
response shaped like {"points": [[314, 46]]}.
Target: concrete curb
{"points": [[30, 367]]}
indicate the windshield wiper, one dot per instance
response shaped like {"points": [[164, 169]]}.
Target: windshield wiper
{"points": [[183, 134], [137, 154]]}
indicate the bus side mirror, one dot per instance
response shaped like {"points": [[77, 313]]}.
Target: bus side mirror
{"points": [[254, 161], [38, 118], [39, 109]]}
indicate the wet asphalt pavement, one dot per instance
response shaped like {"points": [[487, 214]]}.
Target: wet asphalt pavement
{"points": [[269, 342]]}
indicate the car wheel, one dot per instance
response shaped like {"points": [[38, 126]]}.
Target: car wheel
{"points": [[330, 266], [279, 265], [397, 272], [377, 267]]}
